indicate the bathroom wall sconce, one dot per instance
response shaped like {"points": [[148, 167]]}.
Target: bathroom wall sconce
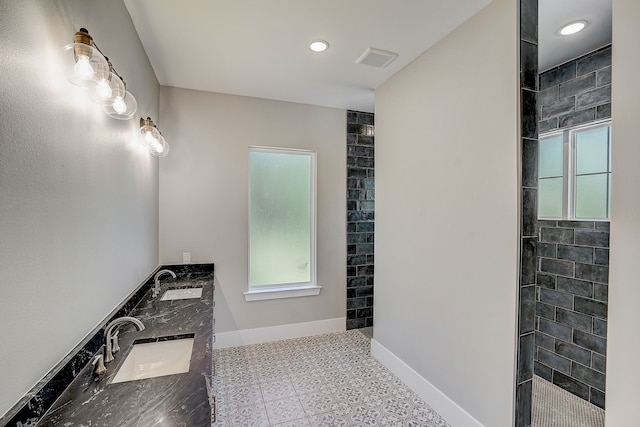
{"points": [[93, 70], [154, 140], [87, 59], [124, 105], [107, 82]]}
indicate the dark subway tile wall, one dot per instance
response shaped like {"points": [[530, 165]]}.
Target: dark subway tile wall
{"points": [[573, 256], [527, 341], [571, 306], [360, 218], [575, 93]]}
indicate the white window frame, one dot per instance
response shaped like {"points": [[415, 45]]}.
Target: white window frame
{"points": [[287, 290], [569, 177]]}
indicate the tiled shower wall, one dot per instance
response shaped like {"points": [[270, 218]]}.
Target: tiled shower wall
{"points": [[577, 92], [573, 256], [571, 306], [529, 184], [360, 218]]}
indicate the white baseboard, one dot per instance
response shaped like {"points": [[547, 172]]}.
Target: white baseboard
{"points": [[443, 405], [275, 333]]}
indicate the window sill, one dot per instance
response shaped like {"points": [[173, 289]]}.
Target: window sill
{"points": [[266, 294], [576, 219]]}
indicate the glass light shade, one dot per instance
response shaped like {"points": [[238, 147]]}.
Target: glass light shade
{"points": [[108, 86], [105, 87], [123, 105], [87, 60], [103, 90], [158, 146], [154, 140]]}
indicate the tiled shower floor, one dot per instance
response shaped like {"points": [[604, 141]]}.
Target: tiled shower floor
{"points": [[323, 380], [555, 407]]}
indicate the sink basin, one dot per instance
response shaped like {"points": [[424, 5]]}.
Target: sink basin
{"points": [[156, 359], [184, 293]]}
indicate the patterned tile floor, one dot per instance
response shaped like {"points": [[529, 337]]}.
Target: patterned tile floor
{"points": [[323, 380]]}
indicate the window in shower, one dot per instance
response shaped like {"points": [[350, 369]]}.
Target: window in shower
{"points": [[574, 180], [282, 223]]}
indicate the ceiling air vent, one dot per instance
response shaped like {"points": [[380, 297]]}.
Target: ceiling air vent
{"points": [[376, 57]]}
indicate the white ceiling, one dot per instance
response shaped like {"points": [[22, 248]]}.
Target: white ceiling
{"points": [[555, 49], [260, 48]]}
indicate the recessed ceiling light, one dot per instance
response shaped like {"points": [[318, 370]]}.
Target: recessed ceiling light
{"points": [[573, 28], [318, 45]]}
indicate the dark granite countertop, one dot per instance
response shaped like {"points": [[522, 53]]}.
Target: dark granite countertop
{"points": [[172, 400]]}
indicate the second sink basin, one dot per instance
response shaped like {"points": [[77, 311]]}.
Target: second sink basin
{"points": [[156, 359], [182, 293]]}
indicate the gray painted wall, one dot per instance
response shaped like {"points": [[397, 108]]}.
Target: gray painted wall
{"points": [[623, 340], [447, 214], [203, 196], [78, 192]]}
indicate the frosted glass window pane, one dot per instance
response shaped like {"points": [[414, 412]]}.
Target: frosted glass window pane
{"points": [[609, 198], [550, 198], [592, 149], [591, 196], [280, 218], [551, 157]]}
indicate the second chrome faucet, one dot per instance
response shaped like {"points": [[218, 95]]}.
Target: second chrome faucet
{"points": [[156, 280]]}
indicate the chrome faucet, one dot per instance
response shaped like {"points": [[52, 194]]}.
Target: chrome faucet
{"points": [[108, 350], [156, 286]]}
